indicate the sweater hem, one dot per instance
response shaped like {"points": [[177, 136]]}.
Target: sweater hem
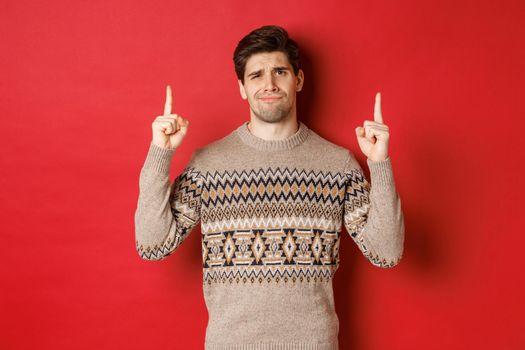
{"points": [[272, 346]]}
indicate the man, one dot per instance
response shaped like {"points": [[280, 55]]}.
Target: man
{"points": [[271, 197]]}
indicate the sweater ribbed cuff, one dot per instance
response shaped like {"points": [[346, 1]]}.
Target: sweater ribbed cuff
{"points": [[159, 159], [381, 172]]}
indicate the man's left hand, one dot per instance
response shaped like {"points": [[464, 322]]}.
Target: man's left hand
{"points": [[373, 136]]}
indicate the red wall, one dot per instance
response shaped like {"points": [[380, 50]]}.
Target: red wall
{"points": [[81, 82]]}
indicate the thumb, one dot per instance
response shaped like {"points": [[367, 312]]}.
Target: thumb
{"points": [[360, 131], [183, 125]]}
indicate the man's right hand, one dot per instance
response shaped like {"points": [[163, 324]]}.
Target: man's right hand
{"points": [[169, 129]]}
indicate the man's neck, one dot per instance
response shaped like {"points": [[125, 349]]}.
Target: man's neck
{"points": [[273, 131]]}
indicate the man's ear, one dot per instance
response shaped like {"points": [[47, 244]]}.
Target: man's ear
{"points": [[300, 80], [241, 89]]}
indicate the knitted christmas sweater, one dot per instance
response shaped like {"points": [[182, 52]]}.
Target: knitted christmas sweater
{"points": [[271, 214]]}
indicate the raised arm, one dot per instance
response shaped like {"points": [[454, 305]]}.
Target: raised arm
{"points": [[372, 212], [166, 213]]}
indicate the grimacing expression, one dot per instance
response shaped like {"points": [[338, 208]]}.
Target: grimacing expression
{"points": [[270, 85]]}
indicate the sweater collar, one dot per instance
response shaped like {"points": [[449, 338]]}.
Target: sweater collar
{"points": [[272, 145]]}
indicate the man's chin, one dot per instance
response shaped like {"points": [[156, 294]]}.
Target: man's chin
{"points": [[270, 113], [270, 118]]}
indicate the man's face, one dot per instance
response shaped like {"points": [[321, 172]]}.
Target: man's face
{"points": [[270, 85]]}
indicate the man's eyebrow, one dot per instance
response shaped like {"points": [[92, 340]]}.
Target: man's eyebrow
{"points": [[281, 68], [256, 72], [274, 68]]}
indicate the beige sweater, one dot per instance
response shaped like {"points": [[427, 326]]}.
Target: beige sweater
{"points": [[271, 215]]}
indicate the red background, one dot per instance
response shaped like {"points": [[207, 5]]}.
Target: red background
{"points": [[81, 82]]}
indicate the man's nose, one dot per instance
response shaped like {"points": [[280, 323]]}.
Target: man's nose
{"points": [[269, 83]]}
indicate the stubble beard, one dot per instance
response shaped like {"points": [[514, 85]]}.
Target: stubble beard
{"points": [[271, 113]]}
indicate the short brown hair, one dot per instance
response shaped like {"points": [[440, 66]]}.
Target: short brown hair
{"points": [[265, 39]]}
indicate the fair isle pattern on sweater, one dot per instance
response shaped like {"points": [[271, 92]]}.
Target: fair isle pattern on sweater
{"points": [[277, 224], [289, 247]]}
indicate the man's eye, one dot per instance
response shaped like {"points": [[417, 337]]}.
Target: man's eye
{"points": [[280, 71], [255, 76]]}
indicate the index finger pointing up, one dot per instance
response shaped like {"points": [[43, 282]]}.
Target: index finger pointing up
{"points": [[378, 116], [169, 101]]}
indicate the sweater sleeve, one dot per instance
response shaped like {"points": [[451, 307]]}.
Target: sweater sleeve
{"points": [[372, 212], [166, 213]]}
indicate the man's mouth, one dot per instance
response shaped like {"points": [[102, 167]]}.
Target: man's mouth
{"points": [[270, 98]]}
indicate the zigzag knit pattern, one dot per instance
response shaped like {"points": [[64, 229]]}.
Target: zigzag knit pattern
{"points": [[288, 203]]}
